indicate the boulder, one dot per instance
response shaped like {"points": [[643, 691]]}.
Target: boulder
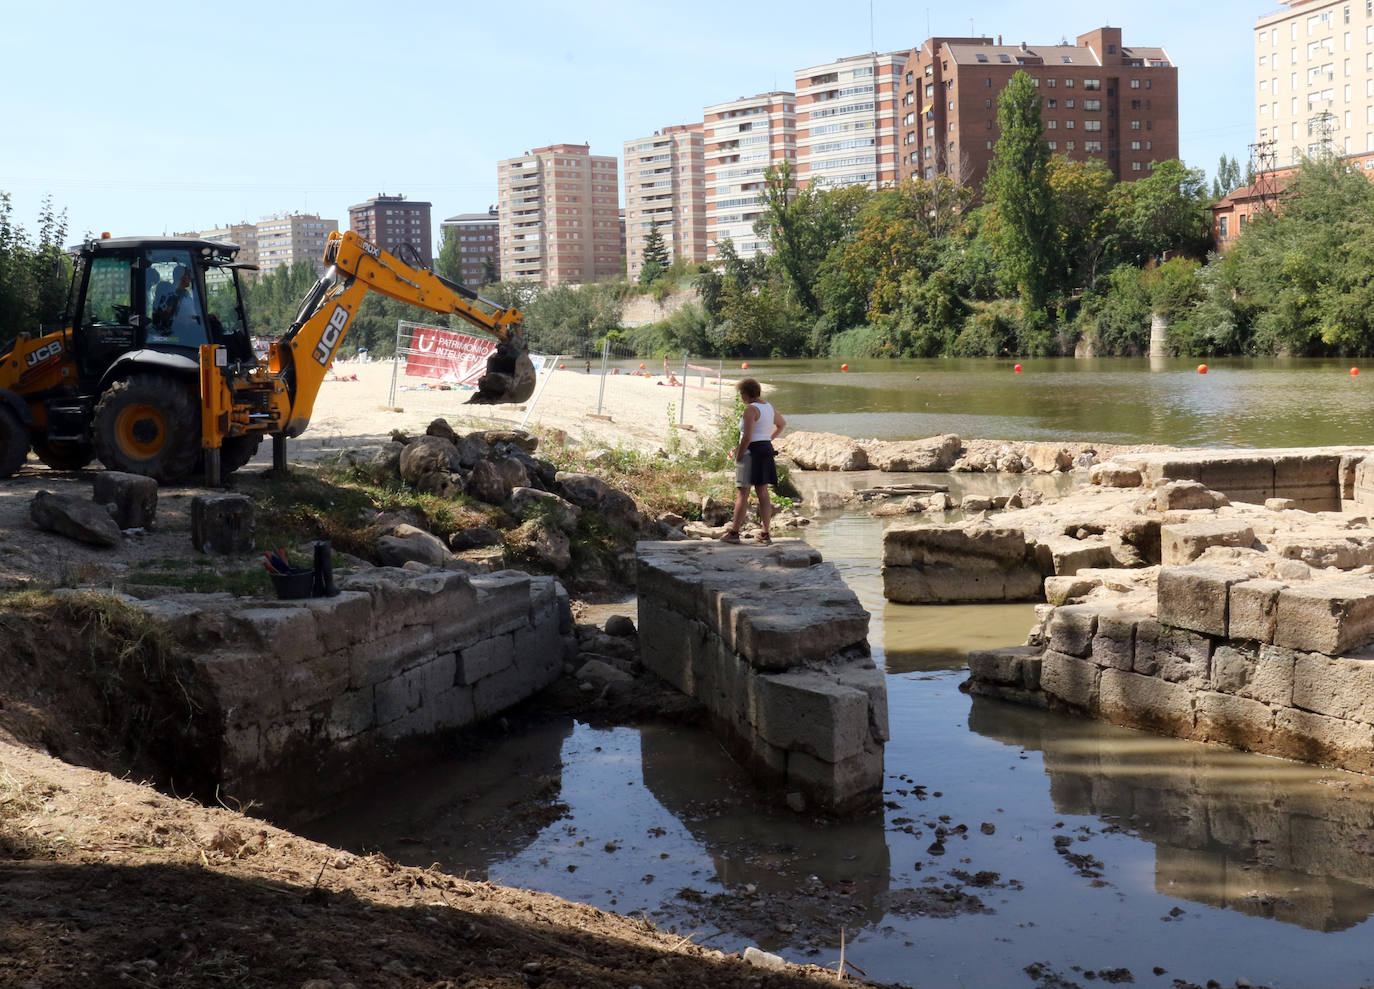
{"points": [[585, 490], [1114, 475], [84, 521], [428, 455], [441, 428], [492, 480], [474, 538], [408, 544], [937, 453], [1187, 496], [823, 451], [131, 499], [542, 544], [525, 503], [222, 523]]}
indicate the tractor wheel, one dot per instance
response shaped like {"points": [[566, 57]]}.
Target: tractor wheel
{"points": [[235, 451], [63, 454], [149, 424], [14, 442]]}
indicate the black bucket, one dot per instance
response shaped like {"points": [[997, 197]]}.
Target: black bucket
{"points": [[294, 584]]}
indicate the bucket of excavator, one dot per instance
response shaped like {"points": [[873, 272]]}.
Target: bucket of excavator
{"points": [[509, 378]]}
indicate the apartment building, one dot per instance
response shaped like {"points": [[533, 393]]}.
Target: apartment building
{"points": [[393, 221], [665, 187], [477, 236], [559, 215], [286, 238], [847, 121], [1314, 80], [245, 235], [742, 138], [1099, 99]]}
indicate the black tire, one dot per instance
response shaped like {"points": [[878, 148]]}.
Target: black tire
{"points": [[14, 442], [235, 451], [63, 454], [149, 424]]}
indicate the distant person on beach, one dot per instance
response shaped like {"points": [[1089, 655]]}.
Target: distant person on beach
{"points": [[755, 460]]}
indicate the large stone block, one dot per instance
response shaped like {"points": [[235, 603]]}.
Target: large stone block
{"points": [[810, 712], [1068, 556], [789, 627], [1072, 680], [1312, 480], [1013, 666], [1183, 542], [343, 621], [1113, 642], [927, 545], [388, 655], [484, 658], [1252, 608], [1195, 597], [1239, 721], [947, 584], [1146, 702], [1323, 740], [1332, 618], [222, 523], [131, 498], [1072, 628], [285, 632], [851, 784], [1171, 654], [873, 682], [668, 654], [1263, 673], [1341, 688], [1241, 477]]}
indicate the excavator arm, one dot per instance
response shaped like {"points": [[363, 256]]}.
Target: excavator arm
{"points": [[355, 267]]}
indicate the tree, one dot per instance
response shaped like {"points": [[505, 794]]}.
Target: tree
{"points": [[1082, 191], [1228, 178], [449, 263], [655, 256], [1167, 211], [1027, 236]]}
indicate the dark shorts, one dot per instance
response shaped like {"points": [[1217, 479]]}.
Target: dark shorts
{"points": [[763, 467]]}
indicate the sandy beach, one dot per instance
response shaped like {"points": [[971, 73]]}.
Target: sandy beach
{"points": [[361, 403]]}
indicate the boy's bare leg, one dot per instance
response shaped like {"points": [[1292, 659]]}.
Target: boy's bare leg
{"points": [[765, 506], [741, 509]]}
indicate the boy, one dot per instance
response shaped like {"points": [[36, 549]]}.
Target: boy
{"points": [[755, 460]]}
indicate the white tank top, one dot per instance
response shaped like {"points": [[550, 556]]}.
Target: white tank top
{"points": [[763, 426]]}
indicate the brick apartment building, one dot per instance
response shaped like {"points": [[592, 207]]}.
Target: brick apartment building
{"points": [[1099, 99], [559, 215], [478, 240], [665, 186], [287, 238], [742, 138], [245, 235], [847, 121], [391, 221], [1314, 80]]}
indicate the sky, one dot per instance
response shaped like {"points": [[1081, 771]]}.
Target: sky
{"points": [[160, 119]]}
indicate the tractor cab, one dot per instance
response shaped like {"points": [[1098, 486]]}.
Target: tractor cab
{"points": [[154, 300]]}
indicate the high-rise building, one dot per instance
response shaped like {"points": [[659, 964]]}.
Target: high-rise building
{"points": [[286, 238], [559, 215], [245, 235], [665, 187], [1098, 99], [742, 138], [1314, 81], [393, 221], [478, 240], [847, 121]]}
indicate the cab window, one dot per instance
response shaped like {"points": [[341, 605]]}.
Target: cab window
{"points": [[108, 295], [173, 300]]}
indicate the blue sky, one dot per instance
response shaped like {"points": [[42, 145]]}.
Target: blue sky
{"points": [[205, 114]]}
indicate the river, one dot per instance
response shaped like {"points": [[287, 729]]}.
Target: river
{"points": [[1073, 846]]}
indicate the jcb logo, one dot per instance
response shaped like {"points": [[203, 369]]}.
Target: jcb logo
{"points": [[333, 332], [44, 352]]}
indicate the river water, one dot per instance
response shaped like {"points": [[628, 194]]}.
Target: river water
{"points": [[1089, 849]]}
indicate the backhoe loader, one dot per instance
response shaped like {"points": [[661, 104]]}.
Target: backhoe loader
{"points": [[155, 372]]}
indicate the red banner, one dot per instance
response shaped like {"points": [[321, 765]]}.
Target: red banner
{"points": [[459, 358]]}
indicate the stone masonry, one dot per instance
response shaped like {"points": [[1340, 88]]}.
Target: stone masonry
{"points": [[775, 646], [315, 692]]}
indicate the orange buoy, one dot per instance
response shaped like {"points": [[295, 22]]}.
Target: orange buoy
{"points": [[844, 367], [1354, 371], [1017, 369], [562, 367], [744, 366], [641, 367], [1202, 369]]}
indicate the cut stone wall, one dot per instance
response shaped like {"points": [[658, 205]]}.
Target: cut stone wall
{"points": [[1313, 480], [316, 692], [775, 646], [1258, 664]]}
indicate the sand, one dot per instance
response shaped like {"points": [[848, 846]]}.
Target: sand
{"points": [[361, 403]]}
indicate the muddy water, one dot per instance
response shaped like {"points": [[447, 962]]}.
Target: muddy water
{"points": [[1009, 837]]}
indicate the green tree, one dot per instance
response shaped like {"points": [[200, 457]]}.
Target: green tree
{"points": [[1027, 235], [449, 263], [1227, 179], [34, 276], [1082, 192], [1167, 211], [655, 256]]}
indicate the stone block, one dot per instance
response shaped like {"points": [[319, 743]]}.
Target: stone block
{"points": [[1195, 597], [959, 545], [789, 627], [1114, 640], [873, 682], [398, 695], [1239, 721], [810, 712], [351, 714], [1114, 475], [668, 654], [388, 655], [852, 784], [484, 658], [1181, 543], [1175, 655], [1241, 477], [401, 598], [1252, 607], [1072, 680], [1311, 480], [1340, 688], [944, 583], [1010, 666], [496, 693], [222, 523], [131, 498], [1146, 702], [286, 632], [1332, 618], [1187, 496], [1068, 556], [1072, 628], [343, 621], [1263, 673], [1323, 740]]}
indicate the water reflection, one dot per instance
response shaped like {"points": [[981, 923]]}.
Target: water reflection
{"points": [[1260, 836]]}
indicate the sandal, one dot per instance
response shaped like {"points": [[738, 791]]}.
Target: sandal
{"points": [[731, 536], [765, 539]]}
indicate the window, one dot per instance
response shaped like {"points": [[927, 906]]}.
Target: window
{"points": [[1051, 125], [1092, 125], [1068, 84], [1135, 125], [1222, 227], [1092, 83], [1092, 104], [1135, 166], [1135, 145], [1051, 83], [1052, 104], [1068, 125], [1135, 83], [1053, 145], [1068, 104], [981, 57]]}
